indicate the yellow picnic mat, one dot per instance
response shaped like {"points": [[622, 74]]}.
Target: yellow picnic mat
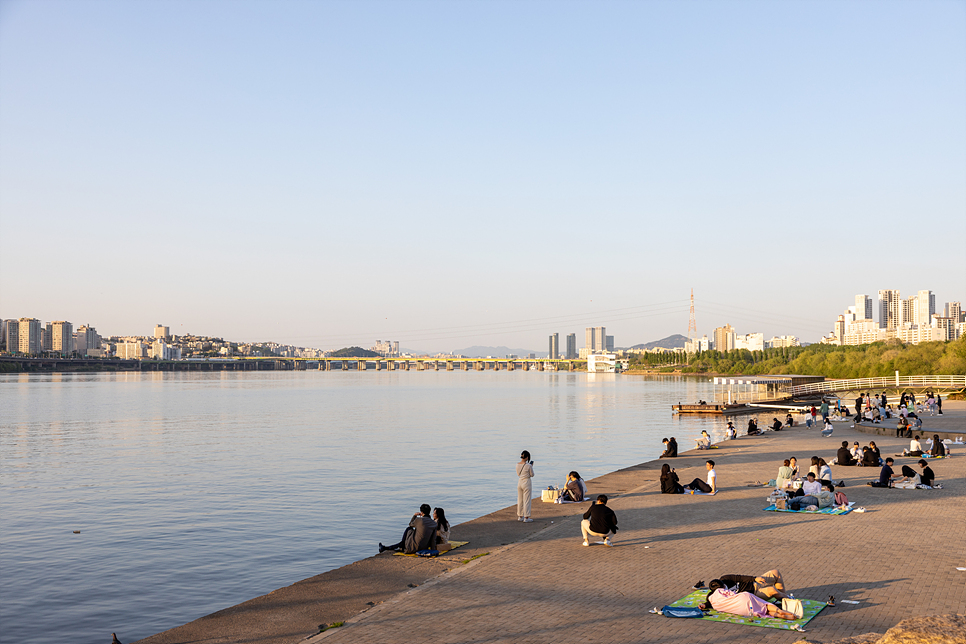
{"points": [[454, 545]]}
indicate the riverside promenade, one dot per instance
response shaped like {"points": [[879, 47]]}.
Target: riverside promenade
{"points": [[536, 583]]}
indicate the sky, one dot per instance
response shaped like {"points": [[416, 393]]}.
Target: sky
{"points": [[449, 174]]}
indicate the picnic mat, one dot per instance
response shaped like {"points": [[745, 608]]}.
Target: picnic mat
{"points": [[809, 609], [834, 509], [454, 544]]}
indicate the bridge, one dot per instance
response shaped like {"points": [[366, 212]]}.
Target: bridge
{"points": [[244, 363]]}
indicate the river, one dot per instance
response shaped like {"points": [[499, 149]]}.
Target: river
{"points": [[192, 492]]}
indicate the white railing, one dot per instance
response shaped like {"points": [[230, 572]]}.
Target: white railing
{"points": [[875, 384]]}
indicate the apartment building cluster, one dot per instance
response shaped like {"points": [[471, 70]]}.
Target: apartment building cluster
{"points": [[725, 338], [29, 336], [596, 340], [911, 320], [388, 348]]}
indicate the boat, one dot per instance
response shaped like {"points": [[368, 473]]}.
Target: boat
{"points": [[710, 408]]}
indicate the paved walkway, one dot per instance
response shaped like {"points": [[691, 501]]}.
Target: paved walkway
{"points": [[897, 560], [538, 584]]}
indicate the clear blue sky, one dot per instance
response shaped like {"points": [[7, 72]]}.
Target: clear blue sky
{"points": [[456, 173]]}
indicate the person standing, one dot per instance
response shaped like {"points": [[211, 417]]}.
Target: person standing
{"points": [[858, 406], [524, 487], [939, 404], [824, 410]]}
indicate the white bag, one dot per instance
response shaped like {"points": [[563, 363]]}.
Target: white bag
{"points": [[793, 606]]}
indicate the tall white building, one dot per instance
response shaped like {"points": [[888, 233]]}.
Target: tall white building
{"points": [[955, 311], [750, 341], [86, 340], [596, 339], [697, 345], [925, 307], [60, 337], [780, 341], [162, 332], [890, 309], [11, 329], [724, 338], [29, 336], [554, 352], [863, 307]]}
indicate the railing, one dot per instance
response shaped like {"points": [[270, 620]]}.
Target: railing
{"points": [[875, 384]]}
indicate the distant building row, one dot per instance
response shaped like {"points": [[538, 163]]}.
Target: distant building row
{"points": [[912, 320], [725, 338], [29, 337], [596, 340]]}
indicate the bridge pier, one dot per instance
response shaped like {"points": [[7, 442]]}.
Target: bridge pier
{"points": [[449, 365]]}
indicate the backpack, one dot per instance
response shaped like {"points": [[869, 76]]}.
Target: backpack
{"points": [[841, 499]]}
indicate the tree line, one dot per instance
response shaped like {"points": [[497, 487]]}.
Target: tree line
{"points": [[862, 361]]}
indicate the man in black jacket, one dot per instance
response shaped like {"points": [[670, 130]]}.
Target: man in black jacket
{"points": [[599, 521], [844, 456]]}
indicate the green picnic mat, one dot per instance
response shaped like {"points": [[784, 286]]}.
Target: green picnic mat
{"points": [[453, 546], [810, 609], [832, 509]]}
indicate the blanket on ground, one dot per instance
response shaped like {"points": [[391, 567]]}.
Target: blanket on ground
{"points": [[833, 509], [810, 610], [453, 546]]}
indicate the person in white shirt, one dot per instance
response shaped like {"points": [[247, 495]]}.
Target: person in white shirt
{"points": [[711, 487], [915, 448]]}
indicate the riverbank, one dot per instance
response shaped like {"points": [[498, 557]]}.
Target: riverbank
{"points": [[534, 582]]}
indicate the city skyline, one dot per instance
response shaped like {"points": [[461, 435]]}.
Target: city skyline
{"points": [[444, 174], [871, 319]]}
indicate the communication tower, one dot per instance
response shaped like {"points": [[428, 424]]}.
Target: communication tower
{"points": [[692, 325]]}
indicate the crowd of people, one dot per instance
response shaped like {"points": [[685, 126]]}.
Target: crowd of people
{"points": [[813, 489]]}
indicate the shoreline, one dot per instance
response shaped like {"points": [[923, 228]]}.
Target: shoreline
{"points": [[349, 593]]}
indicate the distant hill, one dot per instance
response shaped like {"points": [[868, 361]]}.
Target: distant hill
{"points": [[354, 352], [497, 352], [670, 342]]}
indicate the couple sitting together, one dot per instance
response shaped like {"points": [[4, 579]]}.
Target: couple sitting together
{"points": [[813, 492], [748, 596], [671, 485], [574, 490], [424, 533]]}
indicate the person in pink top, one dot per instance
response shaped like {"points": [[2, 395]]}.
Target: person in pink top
{"points": [[745, 604]]}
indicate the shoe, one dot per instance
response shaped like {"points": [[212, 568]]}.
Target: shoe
{"points": [[519, 518], [586, 544], [528, 520], [382, 548], [698, 586], [841, 483], [607, 542]]}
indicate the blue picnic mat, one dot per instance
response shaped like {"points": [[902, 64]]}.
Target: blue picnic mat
{"points": [[809, 610], [834, 509]]}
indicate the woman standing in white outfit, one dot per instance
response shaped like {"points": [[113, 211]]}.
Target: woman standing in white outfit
{"points": [[524, 487]]}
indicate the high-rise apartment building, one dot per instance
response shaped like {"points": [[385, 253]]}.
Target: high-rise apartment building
{"points": [[554, 346], [724, 338], [60, 337], [954, 310], [86, 340], [863, 307], [161, 332], [571, 346], [12, 338], [890, 309], [596, 339], [29, 332], [609, 343], [925, 307]]}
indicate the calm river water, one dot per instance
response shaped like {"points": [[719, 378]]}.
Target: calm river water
{"points": [[193, 492]]}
